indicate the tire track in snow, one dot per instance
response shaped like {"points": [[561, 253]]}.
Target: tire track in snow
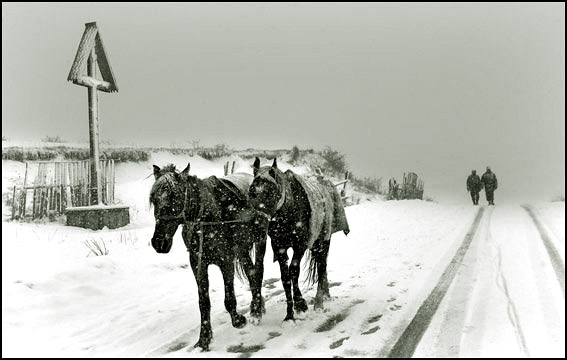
{"points": [[410, 338], [502, 285], [554, 256]]}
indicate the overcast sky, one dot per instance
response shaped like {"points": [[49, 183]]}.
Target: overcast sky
{"points": [[439, 89]]}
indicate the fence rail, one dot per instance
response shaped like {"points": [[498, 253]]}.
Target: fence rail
{"points": [[58, 185]]}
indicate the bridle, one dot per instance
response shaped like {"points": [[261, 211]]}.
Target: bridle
{"points": [[279, 204]]}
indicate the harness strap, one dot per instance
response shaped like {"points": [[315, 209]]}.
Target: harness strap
{"points": [[281, 201], [200, 225], [200, 253]]}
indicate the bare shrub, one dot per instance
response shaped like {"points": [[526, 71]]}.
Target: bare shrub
{"points": [[294, 156], [98, 248], [53, 139], [334, 160], [19, 154], [128, 238], [367, 183]]}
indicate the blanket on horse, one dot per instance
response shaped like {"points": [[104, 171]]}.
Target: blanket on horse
{"points": [[228, 196], [239, 183], [327, 211]]}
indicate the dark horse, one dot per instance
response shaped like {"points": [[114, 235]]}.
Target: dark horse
{"points": [[301, 214], [218, 228]]}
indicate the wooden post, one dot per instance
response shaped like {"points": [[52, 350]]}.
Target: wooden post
{"points": [[68, 199], [232, 170], [44, 192], [13, 202], [112, 179], [35, 195], [93, 132], [75, 188], [25, 192]]}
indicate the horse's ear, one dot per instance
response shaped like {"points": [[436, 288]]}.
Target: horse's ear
{"points": [[272, 172], [275, 163], [256, 165], [156, 171], [185, 172]]}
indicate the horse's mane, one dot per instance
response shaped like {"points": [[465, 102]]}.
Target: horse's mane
{"points": [[164, 181], [264, 173]]}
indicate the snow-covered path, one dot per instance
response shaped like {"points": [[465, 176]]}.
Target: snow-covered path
{"points": [[135, 302], [506, 299]]}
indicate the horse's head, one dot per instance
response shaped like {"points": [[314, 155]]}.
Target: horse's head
{"points": [[168, 197], [266, 191]]}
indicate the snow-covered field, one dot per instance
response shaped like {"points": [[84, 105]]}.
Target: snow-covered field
{"points": [[505, 300]]}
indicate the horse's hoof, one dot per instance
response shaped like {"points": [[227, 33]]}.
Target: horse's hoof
{"points": [[300, 305], [239, 321], [257, 309], [289, 318], [255, 320], [287, 323], [318, 306], [202, 344], [300, 315]]}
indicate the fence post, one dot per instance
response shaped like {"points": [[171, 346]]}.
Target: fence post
{"points": [[25, 190], [13, 202]]}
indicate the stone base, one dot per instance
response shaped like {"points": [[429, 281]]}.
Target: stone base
{"points": [[97, 217]]}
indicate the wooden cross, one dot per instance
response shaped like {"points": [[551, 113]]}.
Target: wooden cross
{"points": [[91, 51]]}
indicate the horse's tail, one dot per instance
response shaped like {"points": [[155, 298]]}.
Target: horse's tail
{"points": [[315, 257], [312, 273], [239, 266]]}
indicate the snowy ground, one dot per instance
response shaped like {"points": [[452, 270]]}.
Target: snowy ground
{"points": [[504, 301]]}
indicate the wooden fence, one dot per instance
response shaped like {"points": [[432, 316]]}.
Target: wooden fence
{"points": [[227, 167], [411, 188], [344, 183], [58, 185]]}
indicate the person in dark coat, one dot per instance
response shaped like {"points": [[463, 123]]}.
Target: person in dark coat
{"points": [[490, 183], [474, 186]]}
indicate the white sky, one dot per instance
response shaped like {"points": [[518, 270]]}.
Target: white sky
{"points": [[439, 89]]}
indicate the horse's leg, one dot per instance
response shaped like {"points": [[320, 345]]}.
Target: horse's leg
{"points": [[252, 275], [282, 258], [300, 304], [227, 270], [202, 280], [259, 275], [246, 237], [321, 253]]}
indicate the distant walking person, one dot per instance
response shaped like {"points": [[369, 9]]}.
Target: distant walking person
{"points": [[490, 184], [474, 186]]}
